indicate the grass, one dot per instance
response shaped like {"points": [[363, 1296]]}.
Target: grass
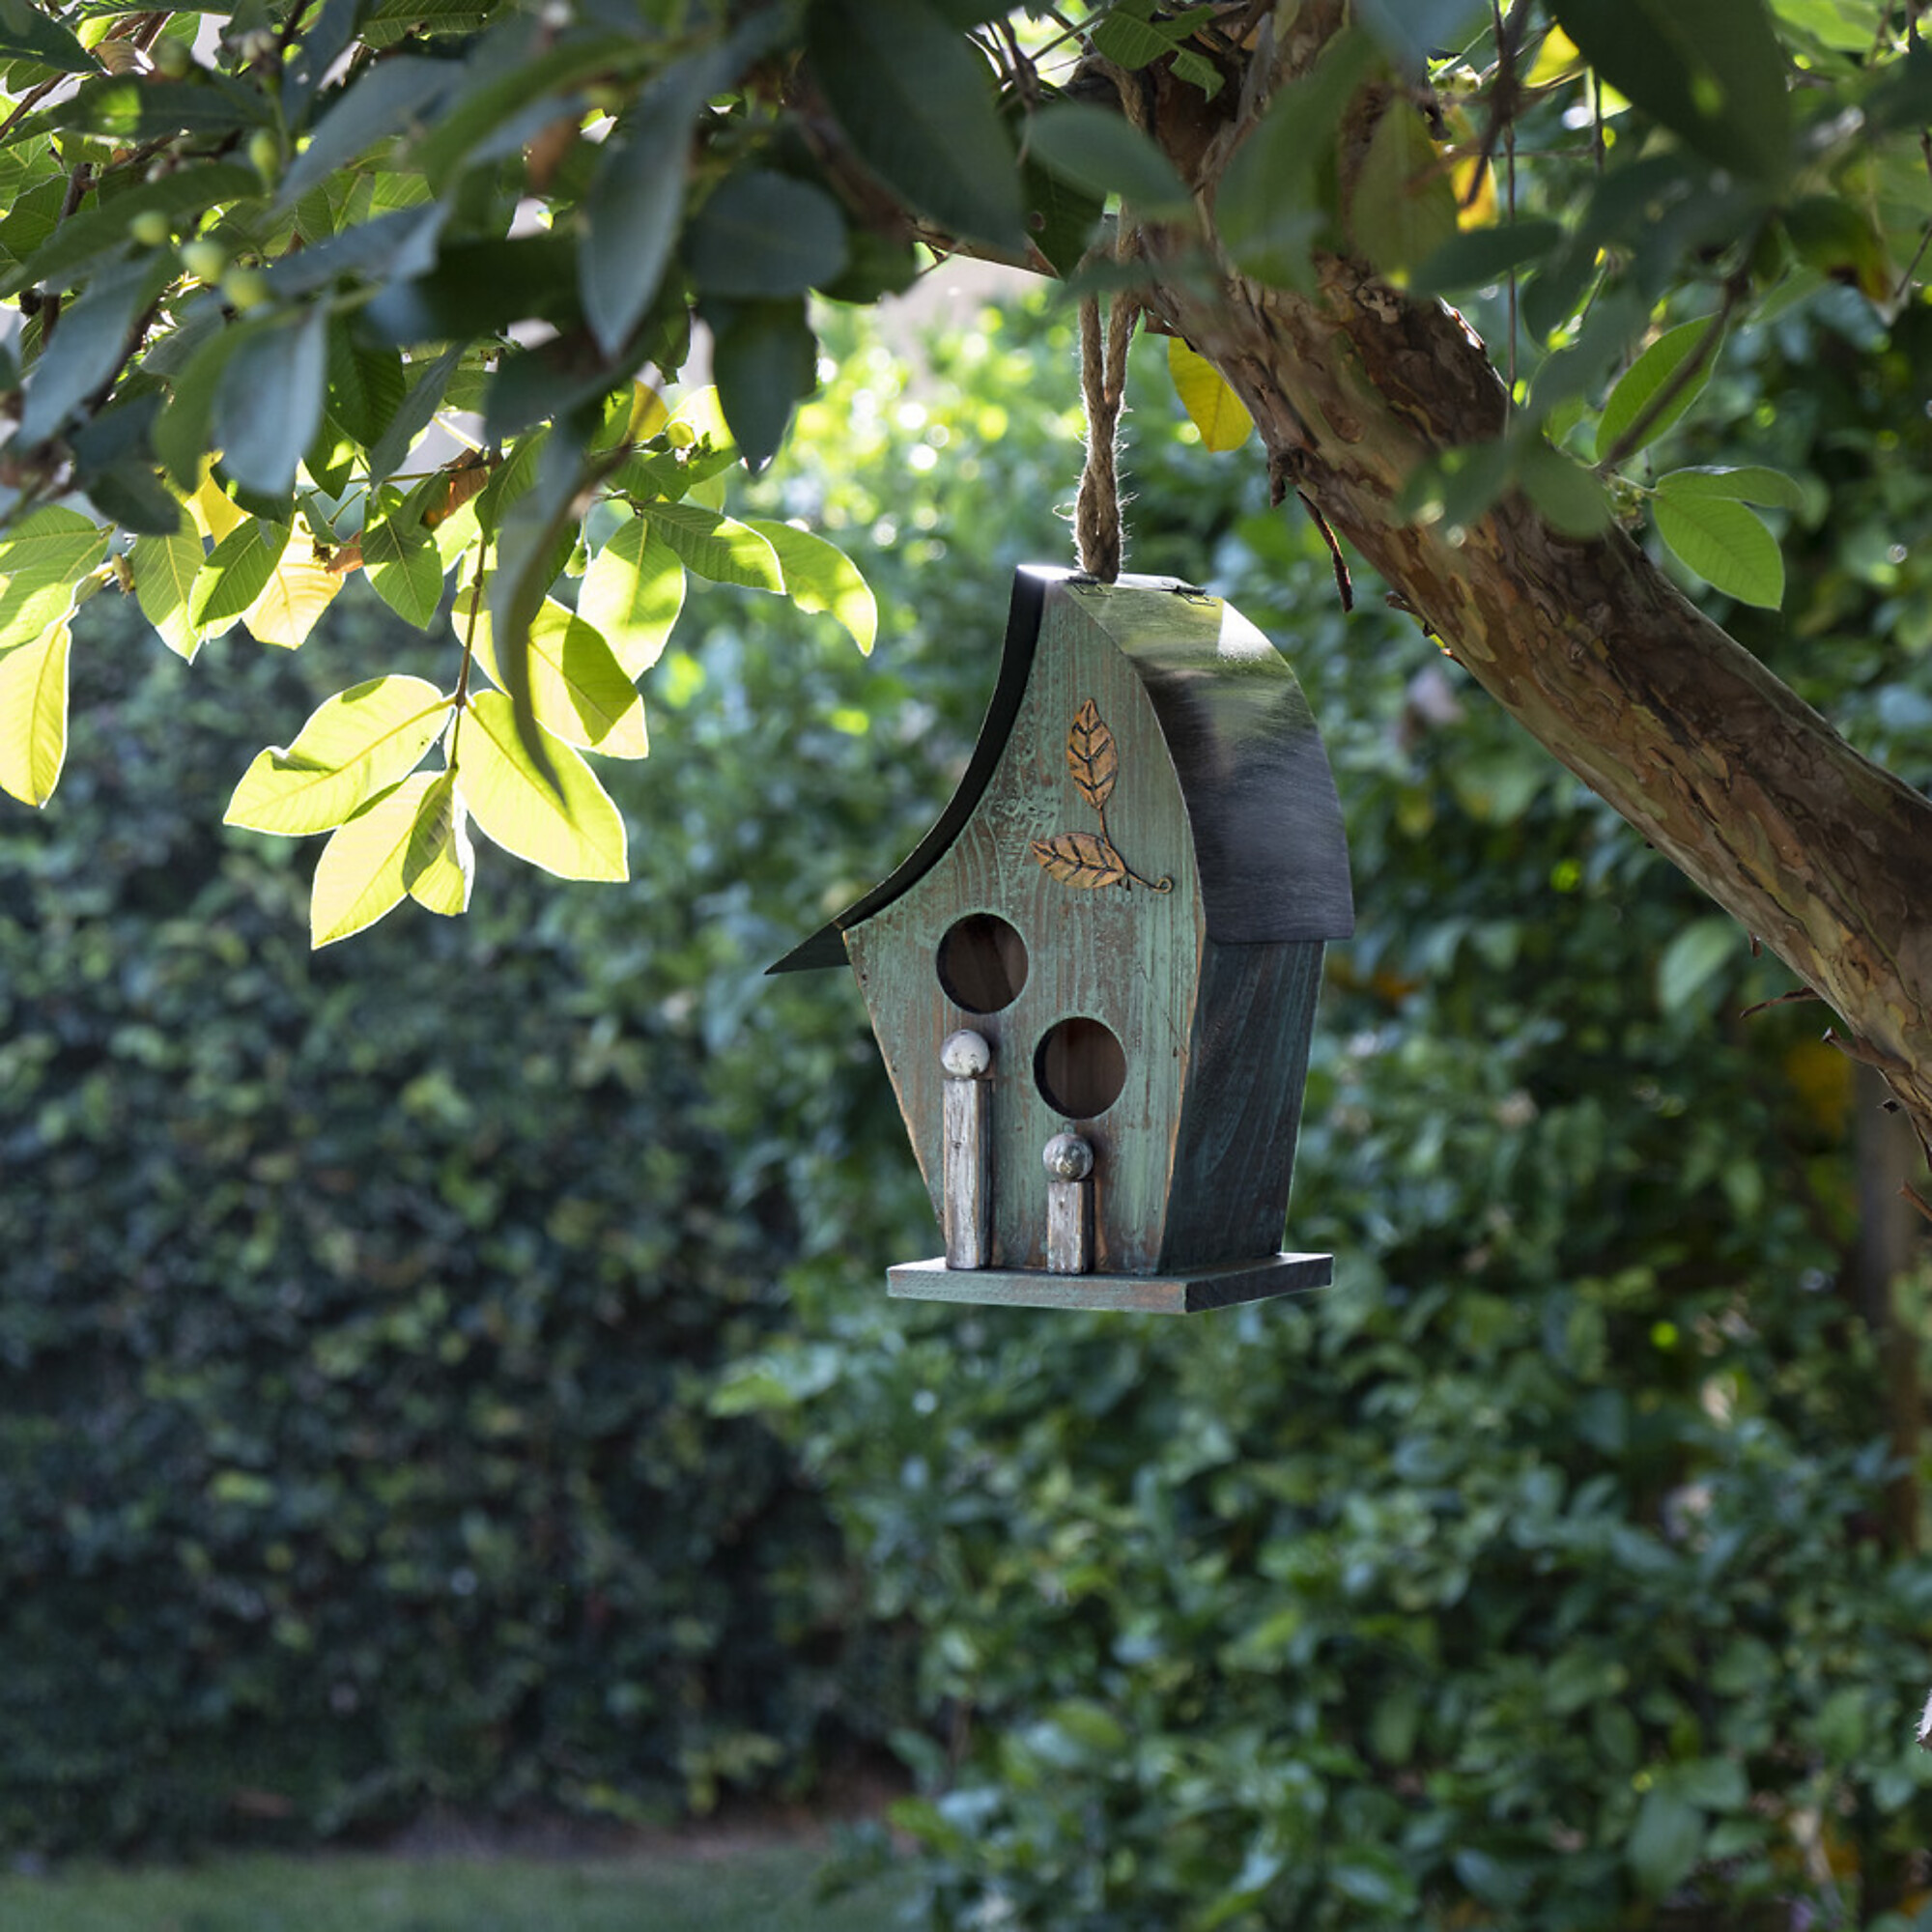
{"points": [[768, 1889]]}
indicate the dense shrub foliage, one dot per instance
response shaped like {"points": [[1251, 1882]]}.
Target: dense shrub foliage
{"points": [[357, 1318], [398, 1343]]}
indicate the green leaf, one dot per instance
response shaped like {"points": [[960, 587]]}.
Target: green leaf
{"points": [[165, 569], [1714, 1783], [1664, 1846], [633, 594], [130, 492], [1102, 152], [29, 33], [636, 203], [31, 612], [1566, 494], [268, 404], [185, 433], [1729, 545], [1273, 200], [352, 746], [818, 576], [33, 715], [130, 108], [782, 1378], [1061, 219], [388, 97], [1454, 486], [91, 344], [570, 829], [366, 386], [1413, 31], [917, 103], [765, 359], [412, 414], [362, 871], [1646, 376], [498, 110], [236, 571], [49, 553], [478, 287], [579, 691], [316, 50], [405, 571], [716, 547], [1130, 39], [1403, 209], [439, 867], [765, 235], [1748, 483], [1692, 959], [1473, 258], [1711, 70]]}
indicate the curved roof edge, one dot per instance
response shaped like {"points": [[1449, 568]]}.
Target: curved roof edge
{"points": [[827, 946], [1302, 896]]}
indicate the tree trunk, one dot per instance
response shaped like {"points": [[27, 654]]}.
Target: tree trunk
{"points": [[1819, 853]]}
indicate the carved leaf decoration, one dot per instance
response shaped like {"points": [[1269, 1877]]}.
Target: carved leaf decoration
{"points": [[1080, 859], [1091, 756]]}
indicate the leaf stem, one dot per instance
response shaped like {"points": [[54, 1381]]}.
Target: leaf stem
{"points": [[461, 701]]}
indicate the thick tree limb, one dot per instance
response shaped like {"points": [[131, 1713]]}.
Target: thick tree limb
{"points": [[1814, 849]]}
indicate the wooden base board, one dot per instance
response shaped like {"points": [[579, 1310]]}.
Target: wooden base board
{"points": [[1185, 1293]]}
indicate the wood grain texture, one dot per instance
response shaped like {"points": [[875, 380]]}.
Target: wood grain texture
{"points": [[966, 1189], [1234, 1148], [1191, 1292], [1069, 1227]]}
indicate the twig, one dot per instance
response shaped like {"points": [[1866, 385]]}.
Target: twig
{"points": [[77, 185], [1343, 585], [1796, 994], [29, 101], [460, 701]]}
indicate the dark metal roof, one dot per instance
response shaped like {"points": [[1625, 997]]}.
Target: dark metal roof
{"points": [[1261, 800]]}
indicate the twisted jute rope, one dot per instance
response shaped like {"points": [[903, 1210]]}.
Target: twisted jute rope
{"points": [[1103, 381]]}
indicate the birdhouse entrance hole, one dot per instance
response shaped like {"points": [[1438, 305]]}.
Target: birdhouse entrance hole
{"points": [[982, 963], [1079, 1068]]}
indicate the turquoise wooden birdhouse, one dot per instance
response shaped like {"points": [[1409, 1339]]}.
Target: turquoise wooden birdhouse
{"points": [[1094, 981]]}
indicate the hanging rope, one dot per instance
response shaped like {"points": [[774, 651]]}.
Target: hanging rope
{"points": [[1103, 381]]}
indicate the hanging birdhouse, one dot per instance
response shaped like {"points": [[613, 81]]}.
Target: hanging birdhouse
{"points": [[1094, 981]]}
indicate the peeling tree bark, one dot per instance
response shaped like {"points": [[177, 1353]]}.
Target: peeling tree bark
{"points": [[1819, 853]]}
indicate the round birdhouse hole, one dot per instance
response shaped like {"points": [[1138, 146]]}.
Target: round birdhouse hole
{"points": [[982, 963], [1079, 1068]]}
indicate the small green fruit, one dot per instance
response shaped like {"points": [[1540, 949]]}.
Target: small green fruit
{"points": [[172, 59], [244, 289], [265, 154], [150, 228], [205, 259]]}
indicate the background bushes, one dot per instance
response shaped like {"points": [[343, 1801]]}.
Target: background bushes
{"points": [[455, 1367]]}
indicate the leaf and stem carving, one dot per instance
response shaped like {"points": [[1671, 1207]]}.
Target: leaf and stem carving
{"points": [[1087, 860]]}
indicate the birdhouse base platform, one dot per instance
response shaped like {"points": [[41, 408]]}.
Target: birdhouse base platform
{"points": [[1186, 1293]]}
